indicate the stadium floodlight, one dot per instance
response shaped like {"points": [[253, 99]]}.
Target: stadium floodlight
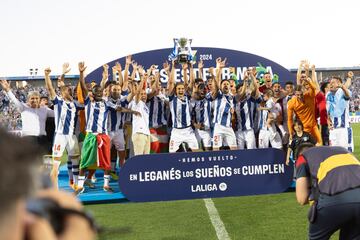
{"points": [[33, 71]]}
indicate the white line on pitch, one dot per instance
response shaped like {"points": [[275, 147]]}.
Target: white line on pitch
{"points": [[220, 230]]}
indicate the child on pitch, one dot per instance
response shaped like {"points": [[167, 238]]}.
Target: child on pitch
{"points": [[96, 147], [298, 138]]}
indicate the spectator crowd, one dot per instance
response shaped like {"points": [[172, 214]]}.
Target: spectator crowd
{"points": [[10, 118]]}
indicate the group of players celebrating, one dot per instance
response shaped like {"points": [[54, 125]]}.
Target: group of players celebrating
{"points": [[192, 114]]}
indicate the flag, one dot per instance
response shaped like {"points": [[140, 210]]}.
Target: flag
{"points": [[159, 140], [103, 150], [89, 151]]}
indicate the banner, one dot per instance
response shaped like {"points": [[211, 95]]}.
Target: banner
{"points": [[241, 61], [175, 176], [354, 119]]}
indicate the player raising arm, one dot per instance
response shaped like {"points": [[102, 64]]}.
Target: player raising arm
{"points": [[66, 112], [223, 109]]}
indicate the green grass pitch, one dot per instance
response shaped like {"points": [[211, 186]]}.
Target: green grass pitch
{"points": [[262, 217]]}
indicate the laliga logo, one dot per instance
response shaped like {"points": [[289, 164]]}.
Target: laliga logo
{"points": [[222, 186]]}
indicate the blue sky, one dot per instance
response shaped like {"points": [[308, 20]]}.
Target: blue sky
{"points": [[39, 33]]}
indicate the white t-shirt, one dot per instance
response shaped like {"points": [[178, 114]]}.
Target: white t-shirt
{"points": [[140, 124], [33, 119]]}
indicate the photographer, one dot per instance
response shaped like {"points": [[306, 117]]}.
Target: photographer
{"points": [[334, 177], [16, 221]]}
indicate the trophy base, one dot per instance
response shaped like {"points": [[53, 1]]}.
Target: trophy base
{"points": [[183, 58]]}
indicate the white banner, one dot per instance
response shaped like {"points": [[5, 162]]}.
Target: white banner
{"points": [[354, 119]]}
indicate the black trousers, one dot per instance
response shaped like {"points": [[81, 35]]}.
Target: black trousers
{"points": [[344, 217], [325, 134], [42, 141]]}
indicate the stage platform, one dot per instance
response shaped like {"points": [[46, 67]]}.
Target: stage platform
{"points": [[92, 196]]}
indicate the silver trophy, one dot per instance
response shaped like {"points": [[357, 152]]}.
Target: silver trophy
{"points": [[182, 52]]}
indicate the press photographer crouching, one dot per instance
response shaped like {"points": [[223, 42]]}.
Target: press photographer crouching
{"points": [[26, 212], [329, 179]]}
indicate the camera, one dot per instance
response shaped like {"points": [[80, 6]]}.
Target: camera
{"points": [[49, 210], [55, 214]]}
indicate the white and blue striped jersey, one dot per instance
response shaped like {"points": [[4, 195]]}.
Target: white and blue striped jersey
{"points": [[222, 105], [263, 114], [157, 111], [201, 111], [116, 118], [127, 116], [338, 108], [96, 114], [180, 111], [65, 113], [246, 111]]}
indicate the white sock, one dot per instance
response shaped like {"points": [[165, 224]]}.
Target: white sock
{"points": [[56, 163], [81, 181], [106, 180], [76, 179], [75, 169]]}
